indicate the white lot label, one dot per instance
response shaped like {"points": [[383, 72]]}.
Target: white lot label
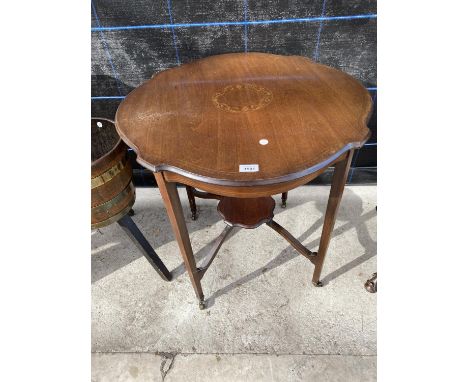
{"points": [[248, 167]]}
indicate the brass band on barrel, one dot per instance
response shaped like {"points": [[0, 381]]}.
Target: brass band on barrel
{"points": [[115, 200], [109, 174], [114, 218]]}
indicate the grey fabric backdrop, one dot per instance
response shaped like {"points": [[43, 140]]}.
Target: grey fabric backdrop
{"points": [[131, 40]]}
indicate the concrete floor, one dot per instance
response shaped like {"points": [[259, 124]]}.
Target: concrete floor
{"points": [[264, 322]]}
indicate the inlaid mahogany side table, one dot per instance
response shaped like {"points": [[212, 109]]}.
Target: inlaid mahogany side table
{"points": [[245, 126]]}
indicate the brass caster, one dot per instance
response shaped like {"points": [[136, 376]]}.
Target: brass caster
{"points": [[371, 284], [194, 215], [317, 284], [202, 304], [283, 205], [131, 212]]}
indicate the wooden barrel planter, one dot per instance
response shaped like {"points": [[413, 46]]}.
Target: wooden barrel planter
{"points": [[112, 189]]}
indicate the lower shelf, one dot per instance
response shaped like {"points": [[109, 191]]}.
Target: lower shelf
{"points": [[246, 212]]}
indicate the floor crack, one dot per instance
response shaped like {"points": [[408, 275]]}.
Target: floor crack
{"points": [[167, 363]]}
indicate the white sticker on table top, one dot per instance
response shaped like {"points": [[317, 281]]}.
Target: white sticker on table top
{"points": [[248, 167]]}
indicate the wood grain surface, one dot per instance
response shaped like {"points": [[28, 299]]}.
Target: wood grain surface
{"points": [[112, 190], [246, 212], [204, 119]]}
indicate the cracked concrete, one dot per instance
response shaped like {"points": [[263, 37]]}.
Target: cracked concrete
{"points": [[166, 364], [119, 367], [265, 321]]}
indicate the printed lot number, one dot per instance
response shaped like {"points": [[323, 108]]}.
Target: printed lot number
{"points": [[248, 167]]}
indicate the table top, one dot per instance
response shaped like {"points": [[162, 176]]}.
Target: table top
{"points": [[245, 119]]}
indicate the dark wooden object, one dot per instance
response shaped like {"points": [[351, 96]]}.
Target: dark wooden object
{"points": [[176, 217], [246, 212], [296, 244], [112, 190], [284, 199], [309, 113], [192, 193], [336, 192], [285, 119], [213, 251], [191, 198]]}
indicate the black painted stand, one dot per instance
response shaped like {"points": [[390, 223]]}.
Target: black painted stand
{"points": [[130, 228]]}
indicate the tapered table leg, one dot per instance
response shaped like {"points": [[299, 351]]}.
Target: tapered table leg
{"points": [[174, 211], [191, 198], [336, 192], [284, 198], [130, 228]]}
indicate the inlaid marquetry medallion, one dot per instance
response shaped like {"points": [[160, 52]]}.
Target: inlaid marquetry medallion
{"points": [[241, 98]]}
